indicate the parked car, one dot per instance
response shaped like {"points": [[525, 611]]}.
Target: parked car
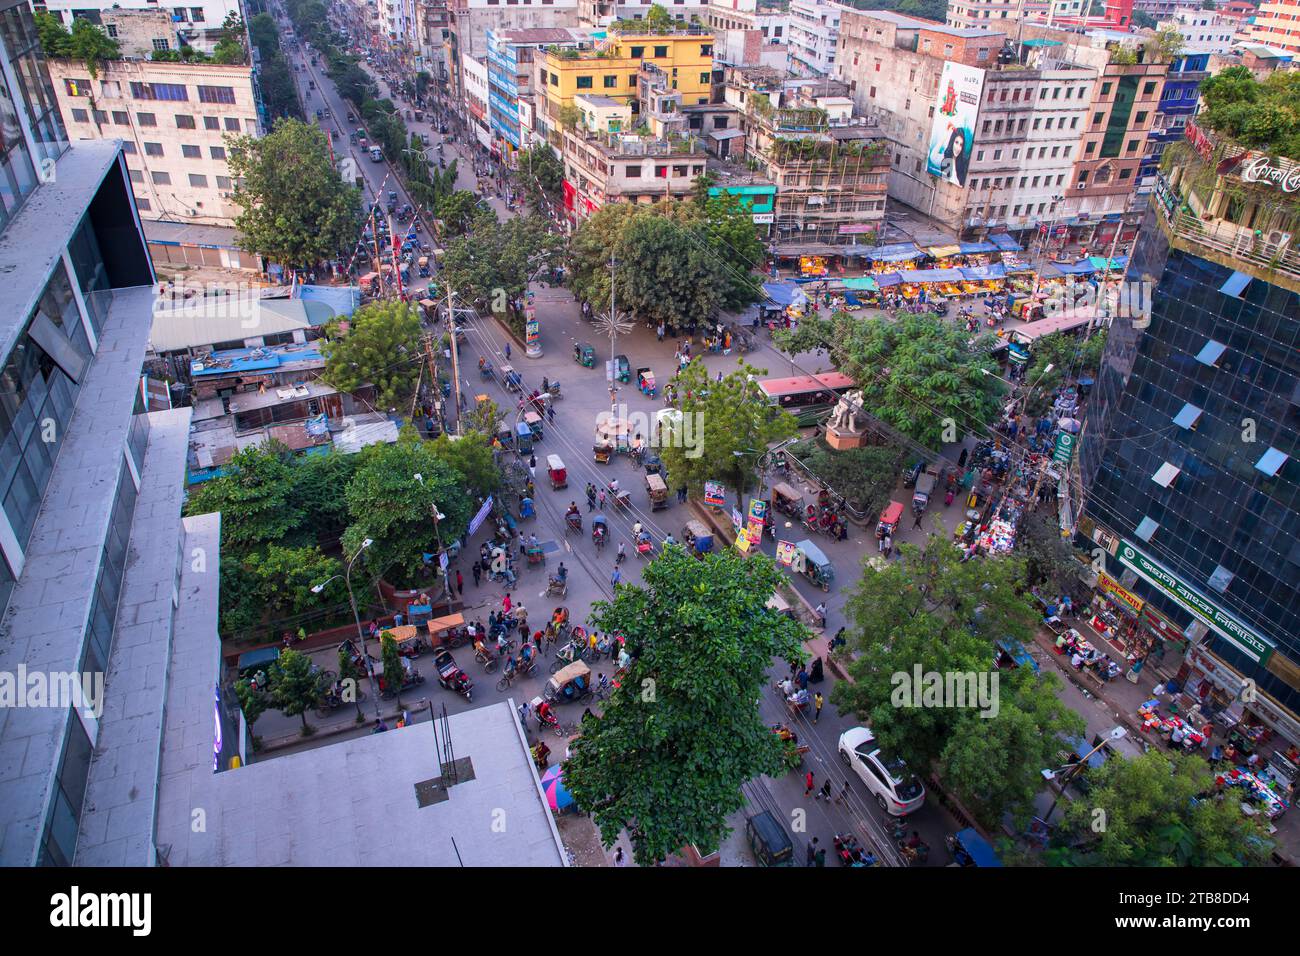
{"points": [[895, 788]]}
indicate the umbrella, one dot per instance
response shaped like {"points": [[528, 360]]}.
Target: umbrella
{"points": [[557, 796], [1070, 425]]}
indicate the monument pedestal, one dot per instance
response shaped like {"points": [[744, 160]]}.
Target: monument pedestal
{"points": [[840, 440]]}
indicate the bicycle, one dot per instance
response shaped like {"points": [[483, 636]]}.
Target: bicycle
{"points": [[507, 680]]}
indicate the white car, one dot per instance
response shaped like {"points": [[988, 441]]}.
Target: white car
{"points": [[895, 787]]}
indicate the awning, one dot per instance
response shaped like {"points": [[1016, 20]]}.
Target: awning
{"points": [[1005, 242], [1081, 268], [972, 248], [897, 252], [943, 252], [932, 275], [863, 284], [852, 299], [888, 279], [726, 133], [1116, 265], [1048, 270], [994, 270], [782, 294]]}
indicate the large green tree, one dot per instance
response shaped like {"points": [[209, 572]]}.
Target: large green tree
{"points": [[1059, 359], [918, 374], [380, 347], [667, 759], [933, 611], [253, 496], [722, 430], [294, 208], [471, 455], [395, 510], [492, 265], [1263, 115], [1159, 809], [865, 476], [296, 686]]}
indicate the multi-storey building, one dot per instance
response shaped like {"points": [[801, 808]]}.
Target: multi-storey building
{"points": [[750, 34], [999, 15], [814, 35], [1178, 102], [1203, 31], [474, 74], [1277, 24], [612, 68], [174, 119], [1189, 458], [597, 14], [830, 167], [614, 166], [432, 30], [197, 24], [510, 77], [91, 539], [471, 20]]}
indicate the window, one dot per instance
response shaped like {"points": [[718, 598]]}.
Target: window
{"points": [[1106, 88], [101, 118], [1148, 89], [161, 178], [706, 49], [637, 52], [142, 204], [77, 87], [584, 82], [661, 52], [211, 122], [661, 172], [153, 149], [1271, 462], [1188, 417], [136, 175], [160, 44], [217, 152], [705, 78], [1140, 117], [198, 181], [232, 124], [121, 118], [80, 116], [174, 92], [184, 122], [196, 14], [223, 183], [216, 94], [191, 152], [146, 119], [1146, 528], [611, 82], [128, 147]]}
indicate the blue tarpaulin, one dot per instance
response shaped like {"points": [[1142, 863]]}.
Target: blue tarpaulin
{"points": [[1081, 268], [973, 248], [897, 252], [888, 279], [852, 299], [995, 270], [932, 275], [782, 294], [1005, 242]]}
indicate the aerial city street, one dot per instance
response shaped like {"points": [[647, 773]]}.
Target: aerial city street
{"points": [[621, 434]]}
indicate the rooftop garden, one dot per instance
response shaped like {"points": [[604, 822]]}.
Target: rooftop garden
{"points": [[657, 22], [1263, 116], [90, 44]]}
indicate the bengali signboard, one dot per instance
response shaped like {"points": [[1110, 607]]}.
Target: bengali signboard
{"points": [[1224, 624], [1124, 596], [952, 133], [1064, 450]]}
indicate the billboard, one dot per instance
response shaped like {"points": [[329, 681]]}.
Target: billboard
{"points": [[952, 135]]}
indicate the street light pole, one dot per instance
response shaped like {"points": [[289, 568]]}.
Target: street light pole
{"points": [[356, 618], [1116, 733]]}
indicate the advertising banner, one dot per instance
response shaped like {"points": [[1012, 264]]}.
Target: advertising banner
{"points": [[952, 134], [715, 495], [785, 552]]}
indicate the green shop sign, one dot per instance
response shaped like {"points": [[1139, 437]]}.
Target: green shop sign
{"points": [[1255, 647]]}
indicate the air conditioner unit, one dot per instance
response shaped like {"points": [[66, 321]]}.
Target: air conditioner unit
{"points": [[1081, 186]]}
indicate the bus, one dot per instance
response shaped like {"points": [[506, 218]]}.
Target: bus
{"points": [[809, 398]]}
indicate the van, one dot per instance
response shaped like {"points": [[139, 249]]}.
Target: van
{"points": [[376, 154]]}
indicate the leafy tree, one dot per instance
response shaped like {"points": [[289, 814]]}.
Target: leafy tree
{"points": [[1161, 809], [482, 419], [1071, 358], [936, 10], [295, 686], [294, 208], [253, 498], [389, 506], [933, 610], [471, 456], [659, 20], [1143, 20], [723, 429], [865, 476], [393, 673], [283, 579], [381, 347], [458, 210], [916, 373], [85, 42], [1050, 563], [493, 265], [667, 759], [230, 48], [1265, 116], [253, 702], [542, 175], [315, 495]]}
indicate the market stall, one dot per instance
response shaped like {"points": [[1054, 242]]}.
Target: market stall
{"points": [[890, 258]]}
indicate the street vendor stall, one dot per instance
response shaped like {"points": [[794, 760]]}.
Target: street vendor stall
{"points": [[892, 257]]}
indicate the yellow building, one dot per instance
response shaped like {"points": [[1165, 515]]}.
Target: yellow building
{"points": [[560, 75]]}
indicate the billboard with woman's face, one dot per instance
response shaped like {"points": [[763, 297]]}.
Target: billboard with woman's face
{"points": [[952, 135]]}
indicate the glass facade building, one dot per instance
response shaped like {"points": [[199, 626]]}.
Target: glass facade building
{"points": [[1190, 455]]}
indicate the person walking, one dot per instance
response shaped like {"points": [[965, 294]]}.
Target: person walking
{"points": [[808, 783], [659, 331], [506, 603], [844, 793], [820, 857], [600, 499], [550, 414], [812, 851], [616, 577], [818, 700], [620, 858], [532, 469], [460, 584], [917, 522], [825, 792], [889, 544], [821, 615], [477, 572], [591, 497], [507, 351]]}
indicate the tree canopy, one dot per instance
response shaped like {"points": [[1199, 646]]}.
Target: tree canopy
{"points": [[864, 476], [492, 265], [1071, 358], [667, 759], [934, 611], [722, 429], [1158, 809], [253, 497], [86, 42], [1262, 115], [294, 208], [918, 374], [380, 347]]}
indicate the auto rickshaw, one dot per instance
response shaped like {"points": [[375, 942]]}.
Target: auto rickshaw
{"points": [[769, 841], [584, 355], [697, 537], [410, 642], [570, 684], [424, 267], [622, 368], [448, 630], [534, 422], [658, 492], [889, 519], [556, 471], [525, 508], [523, 438], [514, 381], [601, 451], [615, 433], [599, 531], [817, 567], [505, 435], [652, 463], [645, 380], [787, 500]]}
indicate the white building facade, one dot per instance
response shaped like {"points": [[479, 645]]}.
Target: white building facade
{"points": [[814, 33]]}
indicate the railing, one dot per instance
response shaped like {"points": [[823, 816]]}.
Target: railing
{"points": [[1235, 242]]}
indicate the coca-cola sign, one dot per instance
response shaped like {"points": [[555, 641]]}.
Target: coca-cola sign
{"points": [[1262, 170]]}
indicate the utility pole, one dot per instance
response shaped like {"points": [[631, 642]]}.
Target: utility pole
{"points": [[455, 356], [431, 356], [613, 323]]}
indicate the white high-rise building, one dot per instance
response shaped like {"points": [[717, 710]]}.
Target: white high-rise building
{"points": [[814, 32]]}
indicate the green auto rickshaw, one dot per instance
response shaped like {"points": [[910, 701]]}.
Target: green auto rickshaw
{"points": [[584, 355], [622, 369]]}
